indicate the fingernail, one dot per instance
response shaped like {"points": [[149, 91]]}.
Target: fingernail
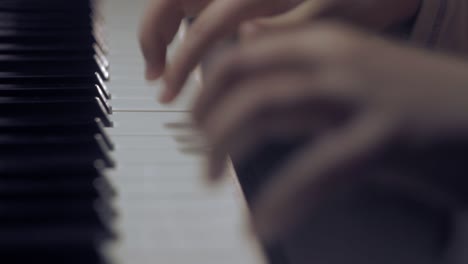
{"points": [[152, 72], [166, 96]]}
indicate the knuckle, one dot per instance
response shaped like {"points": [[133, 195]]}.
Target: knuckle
{"points": [[341, 41], [198, 30], [228, 66]]}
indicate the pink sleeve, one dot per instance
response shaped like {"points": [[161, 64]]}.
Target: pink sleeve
{"points": [[443, 25]]}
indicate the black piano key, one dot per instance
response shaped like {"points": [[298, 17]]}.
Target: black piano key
{"points": [[19, 189], [96, 213], [88, 149], [46, 50], [30, 37], [51, 236], [54, 197], [42, 25], [66, 161], [44, 94], [70, 7], [51, 182], [19, 66], [36, 36], [89, 254], [62, 245], [40, 22], [50, 72], [55, 81], [101, 54], [49, 18], [68, 164], [54, 50], [60, 91], [94, 58], [57, 129], [9, 192], [73, 109], [36, 170]]}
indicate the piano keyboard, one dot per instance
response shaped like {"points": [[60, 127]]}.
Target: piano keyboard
{"points": [[91, 171], [55, 204]]}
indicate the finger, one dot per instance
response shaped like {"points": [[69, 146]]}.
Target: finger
{"points": [[216, 164], [299, 15], [249, 61], [301, 49], [261, 81], [254, 133], [217, 20], [229, 116], [158, 29], [315, 173], [270, 106], [276, 79]]}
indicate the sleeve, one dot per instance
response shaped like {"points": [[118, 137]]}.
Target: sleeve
{"points": [[443, 25]]}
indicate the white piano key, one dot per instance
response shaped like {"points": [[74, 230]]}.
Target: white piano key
{"points": [[146, 123], [166, 156], [149, 142], [148, 103], [168, 213]]}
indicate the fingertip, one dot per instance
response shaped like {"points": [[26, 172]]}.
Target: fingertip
{"points": [[270, 223], [208, 178], [249, 229], [152, 73], [167, 96], [214, 172], [216, 164], [263, 230]]}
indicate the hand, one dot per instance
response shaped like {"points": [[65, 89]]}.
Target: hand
{"points": [[215, 20], [218, 18], [371, 14], [349, 92]]}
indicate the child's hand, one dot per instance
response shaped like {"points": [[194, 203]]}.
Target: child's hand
{"points": [[215, 19], [350, 93]]}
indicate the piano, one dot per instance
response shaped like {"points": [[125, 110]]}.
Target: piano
{"points": [[93, 170]]}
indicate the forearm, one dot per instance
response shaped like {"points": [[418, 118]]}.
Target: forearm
{"points": [[442, 25]]}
